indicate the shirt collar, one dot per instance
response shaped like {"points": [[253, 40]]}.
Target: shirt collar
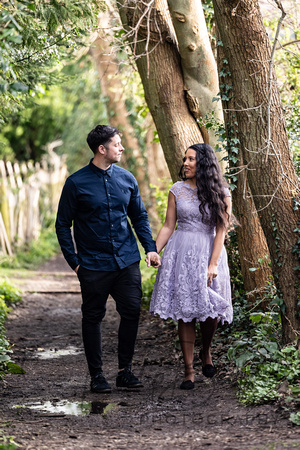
{"points": [[96, 169]]}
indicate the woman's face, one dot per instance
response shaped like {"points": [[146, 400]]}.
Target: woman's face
{"points": [[189, 163]]}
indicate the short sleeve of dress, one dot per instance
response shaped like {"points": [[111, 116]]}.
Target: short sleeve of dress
{"points": [[175, 189]]}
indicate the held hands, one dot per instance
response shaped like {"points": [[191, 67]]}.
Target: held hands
{"points": [[212, 272], [153, 259]]}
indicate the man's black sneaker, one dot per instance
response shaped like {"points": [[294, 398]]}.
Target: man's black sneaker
{"points": [[126, 378], [99, 384]]}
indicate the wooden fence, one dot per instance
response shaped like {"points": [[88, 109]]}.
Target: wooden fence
{"points": [[28, 192]]}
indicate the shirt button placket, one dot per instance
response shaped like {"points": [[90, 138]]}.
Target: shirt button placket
{"points": [[109, 211]]}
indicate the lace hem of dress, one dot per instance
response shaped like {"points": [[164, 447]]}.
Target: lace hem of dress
{"points": [[187, 319]]}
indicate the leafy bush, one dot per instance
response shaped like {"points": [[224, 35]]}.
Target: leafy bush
{"points": [[266, 372], [263, 384], [7, 442], [9, 295]]}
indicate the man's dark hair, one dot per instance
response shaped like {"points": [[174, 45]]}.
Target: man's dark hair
{"points": [[101, 135]]}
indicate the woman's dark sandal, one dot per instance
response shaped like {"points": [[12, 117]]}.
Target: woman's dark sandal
{"points": [[187, 385], [208, 370]]}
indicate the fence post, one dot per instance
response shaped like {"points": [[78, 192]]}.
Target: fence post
{"points": [[21, 189]]}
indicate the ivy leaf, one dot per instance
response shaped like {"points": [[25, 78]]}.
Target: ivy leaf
{"points": [[14, 368], [243, 358], [272, 347], [31, 6]]}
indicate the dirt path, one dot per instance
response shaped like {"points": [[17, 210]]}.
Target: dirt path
{"points": [[51, 406]]}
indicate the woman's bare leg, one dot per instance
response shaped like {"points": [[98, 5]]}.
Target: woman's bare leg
{"points": [[208, 329], [187, 336]]}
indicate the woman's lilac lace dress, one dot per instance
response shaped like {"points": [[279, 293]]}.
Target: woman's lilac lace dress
{"points": [[180, 290]]}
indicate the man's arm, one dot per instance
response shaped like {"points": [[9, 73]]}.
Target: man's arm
{"points": [[66, 212]]}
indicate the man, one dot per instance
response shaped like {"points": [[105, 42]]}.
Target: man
{"points": [[97, 200]]}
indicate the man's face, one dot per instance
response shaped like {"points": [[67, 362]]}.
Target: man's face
{"points": [[114, 150]]}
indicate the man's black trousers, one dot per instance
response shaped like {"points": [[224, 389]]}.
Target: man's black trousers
{"points": [[124, 285]]}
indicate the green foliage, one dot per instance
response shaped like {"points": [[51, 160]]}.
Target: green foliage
{"points": [[161, 198], [147, 286], [25, 135], [266, 372], [295, 418], [161, 202], [293, 128], [236, 277], [67, 111], [9, 293], [9, 296], [261, 383], [7, 442], [34, 38], [34, 253], [208, 10]]}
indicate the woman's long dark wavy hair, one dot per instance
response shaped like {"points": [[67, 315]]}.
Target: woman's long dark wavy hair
{"points": [[210, 184]]}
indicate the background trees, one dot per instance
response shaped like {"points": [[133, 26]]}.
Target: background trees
{"points": [[34, 38], [180, 81]]}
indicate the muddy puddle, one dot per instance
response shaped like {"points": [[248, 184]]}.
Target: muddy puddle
{"points": [[66, 407], [42, 353]]}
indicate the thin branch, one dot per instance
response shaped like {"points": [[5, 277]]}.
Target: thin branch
{"points": [[245, 109], [137, 27], [276, 153], [271, 199], [290, 43], [147, 43]]}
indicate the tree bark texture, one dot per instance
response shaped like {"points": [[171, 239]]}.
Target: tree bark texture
{"points": [[251, 240], [158, 63], [266, 156], [198, 63], [252, 244]]}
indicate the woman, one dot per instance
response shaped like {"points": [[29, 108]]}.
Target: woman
{"points": [[193, 282]]}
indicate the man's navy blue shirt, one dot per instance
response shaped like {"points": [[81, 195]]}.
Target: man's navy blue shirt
{"points": [[97, 203]]}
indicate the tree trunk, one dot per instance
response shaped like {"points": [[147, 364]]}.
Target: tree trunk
{"points": [[265, 152], [158, 63], [198, 64], [158, 171], [252, 244]]}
